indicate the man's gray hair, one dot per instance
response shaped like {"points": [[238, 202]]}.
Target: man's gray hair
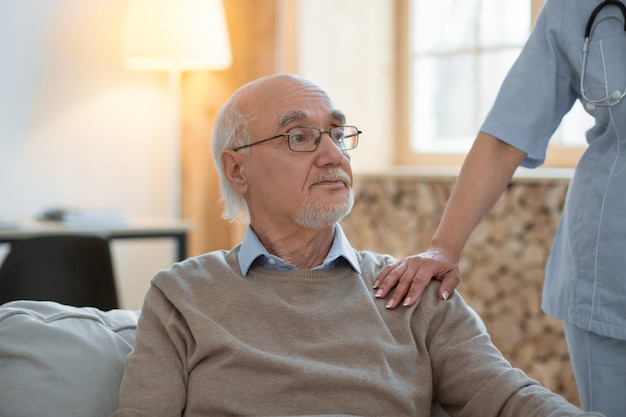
{"points": [[231, 130]]}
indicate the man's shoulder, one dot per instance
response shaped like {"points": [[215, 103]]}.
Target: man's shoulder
{"points": [[372, 263], [209, 260], [204, 265], [367, 257]]}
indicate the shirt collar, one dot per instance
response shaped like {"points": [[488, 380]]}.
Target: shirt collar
{"points": [[252, 249]]}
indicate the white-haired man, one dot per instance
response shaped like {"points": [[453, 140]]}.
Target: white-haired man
{"points": [[286, 323]]}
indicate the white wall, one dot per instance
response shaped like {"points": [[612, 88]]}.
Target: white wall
{"points": [[78, 129], [347, 47]]}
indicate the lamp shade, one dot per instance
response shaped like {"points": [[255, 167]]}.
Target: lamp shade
{"points": [[176, 35]]}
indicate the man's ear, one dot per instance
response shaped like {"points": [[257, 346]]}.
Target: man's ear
{"points": [[233, 171]]}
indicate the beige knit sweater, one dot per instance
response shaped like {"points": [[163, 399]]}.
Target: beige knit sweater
{"points": [[313, 342]]}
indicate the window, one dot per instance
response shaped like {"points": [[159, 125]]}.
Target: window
{"points": [[460, 51]]}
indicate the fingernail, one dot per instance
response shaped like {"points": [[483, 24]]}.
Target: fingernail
{"points": [[445, 295], [379, 293], [407, 301], [389, 303], [376, 284]]}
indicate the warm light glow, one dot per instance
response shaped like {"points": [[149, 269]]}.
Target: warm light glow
{"points": [[179, 35]]}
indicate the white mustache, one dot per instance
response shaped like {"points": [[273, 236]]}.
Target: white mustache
{"points": [[333, 174]]}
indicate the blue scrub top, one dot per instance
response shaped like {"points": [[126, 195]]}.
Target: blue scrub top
{"points": [[586, 272]]}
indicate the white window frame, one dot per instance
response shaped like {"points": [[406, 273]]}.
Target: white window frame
{"points": [[564, 151]]}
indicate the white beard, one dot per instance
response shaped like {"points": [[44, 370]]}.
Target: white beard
{"points": [[318, 215]]}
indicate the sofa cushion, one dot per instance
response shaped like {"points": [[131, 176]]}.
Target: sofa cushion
{"points": [[58, 360]]}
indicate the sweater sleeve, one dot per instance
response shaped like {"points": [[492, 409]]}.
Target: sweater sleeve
{"points": [[470, 375], [155, 376]]}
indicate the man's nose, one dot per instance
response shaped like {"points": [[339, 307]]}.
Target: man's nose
{"points": [[328, 147]]}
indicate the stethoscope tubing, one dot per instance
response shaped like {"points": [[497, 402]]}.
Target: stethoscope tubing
{"points": [[617, 95]]}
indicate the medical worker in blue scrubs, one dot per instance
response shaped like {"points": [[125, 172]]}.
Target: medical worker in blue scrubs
{"points": [[577, 51]]}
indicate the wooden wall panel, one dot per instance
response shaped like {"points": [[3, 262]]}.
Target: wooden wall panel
{"points": [[251, 25]]}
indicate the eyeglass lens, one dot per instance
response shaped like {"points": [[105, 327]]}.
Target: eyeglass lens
{"points": [[307, 139]]}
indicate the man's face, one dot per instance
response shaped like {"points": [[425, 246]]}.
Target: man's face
{"points": [[314, 189]]}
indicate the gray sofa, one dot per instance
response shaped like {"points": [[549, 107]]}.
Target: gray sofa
{"points": [[57, 360]]}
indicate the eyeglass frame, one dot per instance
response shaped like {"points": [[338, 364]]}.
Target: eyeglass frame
{"points": [[318, 140]]}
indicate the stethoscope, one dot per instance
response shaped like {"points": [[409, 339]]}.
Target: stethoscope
{"points": [[616, 96]]}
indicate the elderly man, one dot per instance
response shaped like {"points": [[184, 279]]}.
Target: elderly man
{"points": [[286, 323]]}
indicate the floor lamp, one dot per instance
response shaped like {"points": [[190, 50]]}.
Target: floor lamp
{"points": [[176, 36]]}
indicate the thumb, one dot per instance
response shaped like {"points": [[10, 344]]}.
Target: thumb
{"points": [[448, 284]]}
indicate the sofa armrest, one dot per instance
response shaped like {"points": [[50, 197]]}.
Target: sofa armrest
{"points": [[58, 360]]}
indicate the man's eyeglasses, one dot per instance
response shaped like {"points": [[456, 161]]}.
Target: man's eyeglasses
{"points": [[307, 139]]}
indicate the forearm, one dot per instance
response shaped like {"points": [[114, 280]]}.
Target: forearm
{"points": [[485, 174]]}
